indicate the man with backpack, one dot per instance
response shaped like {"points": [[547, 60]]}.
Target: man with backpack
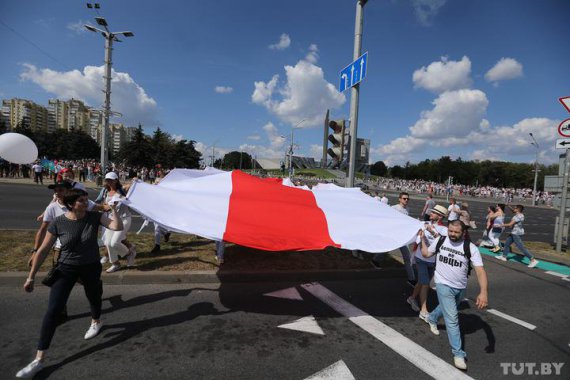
{"points": [[454, 256]]}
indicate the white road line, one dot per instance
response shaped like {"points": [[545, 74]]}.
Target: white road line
{"points": [[416, 354], [562, 276], [337, 371], [305, 324], [512, 319], [289, 293]]}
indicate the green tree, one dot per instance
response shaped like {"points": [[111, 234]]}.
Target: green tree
{"points": [[138, 151], [236, 160], [379, 168]]}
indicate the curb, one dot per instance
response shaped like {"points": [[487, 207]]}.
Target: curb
{"points": [[218, 277]]}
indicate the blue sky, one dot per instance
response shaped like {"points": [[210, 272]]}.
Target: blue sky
{"points": [[445, 77]]}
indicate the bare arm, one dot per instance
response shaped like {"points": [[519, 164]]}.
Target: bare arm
{"points": [[424, 247], [40, 235], [483, 297], [38, 260], [114, 223]]}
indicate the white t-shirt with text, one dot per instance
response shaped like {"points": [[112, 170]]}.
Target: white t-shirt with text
{"points": [[451, 264]]}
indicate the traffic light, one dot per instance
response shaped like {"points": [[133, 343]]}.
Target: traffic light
{"points": [[337, 140]]}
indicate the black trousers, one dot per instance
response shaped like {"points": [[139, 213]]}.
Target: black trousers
{"points": [[67, 276]]}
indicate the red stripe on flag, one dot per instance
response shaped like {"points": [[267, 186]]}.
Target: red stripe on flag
{"points": [[267, 215]]}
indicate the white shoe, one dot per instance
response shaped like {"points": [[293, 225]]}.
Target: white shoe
{"points": [[93, 330], [433, 328], [413, 303], [501, 257], [424, 316], [459, 362], [533, 263], [30, 370], [131, 257], [104, 260], [113, 268]]}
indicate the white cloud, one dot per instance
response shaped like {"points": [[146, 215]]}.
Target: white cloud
{"points": [[128, 97], [261, 151], [275, 138], [426, 10], [284, 43], [177, 138], [305, 95], [505, 69], [254, 137], [223, 89], [77, 27], [316, 151], [455, 113], [313, 54], [444, 75]]}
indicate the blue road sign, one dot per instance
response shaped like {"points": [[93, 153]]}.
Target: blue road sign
{"points": [[354, 73]]}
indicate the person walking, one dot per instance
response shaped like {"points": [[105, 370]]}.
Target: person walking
{"points": [[452, 210], [79, 259], [38, 173], [402, 207], [426, 266], [515, 236], [465, 218], [426, 211], [116, 241], [454, 255], [496, 230]]}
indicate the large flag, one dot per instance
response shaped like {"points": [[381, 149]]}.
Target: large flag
{"points": [[271, 214]]}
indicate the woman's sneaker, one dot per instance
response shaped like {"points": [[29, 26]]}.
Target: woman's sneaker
{"points": [[413, 303], [104, 260], [459, 362], [113, 268], [93, 330], [30, 370], [424, 316], [533, 263]]}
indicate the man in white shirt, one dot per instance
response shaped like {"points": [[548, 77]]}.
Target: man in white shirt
{"points": [[453, 210], [452, 266], [38, 173], [384, 198]]}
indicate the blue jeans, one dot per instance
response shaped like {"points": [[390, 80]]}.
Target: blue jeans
{"points": [[518, 242], [449, 298]]}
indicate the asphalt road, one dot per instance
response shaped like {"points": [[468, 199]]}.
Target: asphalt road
{"points": [[21, 204], [231, 331]]}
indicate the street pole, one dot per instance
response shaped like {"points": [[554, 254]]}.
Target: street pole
{"points": [[291, 156], [107, 107], [355, 90], [562, 205], [240, 159], [535, 170]]}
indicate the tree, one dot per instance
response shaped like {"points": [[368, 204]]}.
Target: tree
{"points": [[379, 168], [236, 160], [138, 151]]}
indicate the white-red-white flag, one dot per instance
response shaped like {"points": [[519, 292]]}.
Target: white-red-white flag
{"points": [[265, 213]]}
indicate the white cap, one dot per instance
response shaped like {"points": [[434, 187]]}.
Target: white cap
{"points": [[112, 175]]}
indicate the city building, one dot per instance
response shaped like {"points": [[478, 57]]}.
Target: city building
{"points": [[24, 113]]}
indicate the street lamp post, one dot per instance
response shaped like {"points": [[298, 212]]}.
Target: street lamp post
{"points": [[291, 148], [535, 144], [110, 37]]}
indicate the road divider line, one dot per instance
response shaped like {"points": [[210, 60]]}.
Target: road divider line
{"points": [[413, 352], [512, 319], [562, 276]]}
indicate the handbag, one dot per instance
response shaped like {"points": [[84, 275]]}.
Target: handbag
{"points": [[50, 277], [496, 230]]}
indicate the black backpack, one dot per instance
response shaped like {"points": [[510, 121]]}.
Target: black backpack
{"points": [[466, 251]]}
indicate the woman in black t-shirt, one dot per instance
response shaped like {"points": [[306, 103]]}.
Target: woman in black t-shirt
{"points": [[79, 259]]}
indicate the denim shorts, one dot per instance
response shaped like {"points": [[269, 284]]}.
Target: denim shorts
{"points": [[425, 271]]}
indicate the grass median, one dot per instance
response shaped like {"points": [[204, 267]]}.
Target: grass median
{"points": [[193, 253]]}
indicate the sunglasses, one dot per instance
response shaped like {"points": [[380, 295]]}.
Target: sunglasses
{"points": [[405, 199]]}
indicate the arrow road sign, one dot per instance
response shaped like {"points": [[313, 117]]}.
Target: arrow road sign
{"points": [[563, 143], [354, 73]]}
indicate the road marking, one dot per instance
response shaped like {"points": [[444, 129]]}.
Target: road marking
{"points": [[337, 371], [512, 319], [562, 276], [289, 293], [414, 353], [306, 324]]}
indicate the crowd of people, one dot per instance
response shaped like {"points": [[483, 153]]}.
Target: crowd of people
{"points": [[70, 227]]}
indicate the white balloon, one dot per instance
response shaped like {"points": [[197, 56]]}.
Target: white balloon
{"points": [[17, 148]]}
